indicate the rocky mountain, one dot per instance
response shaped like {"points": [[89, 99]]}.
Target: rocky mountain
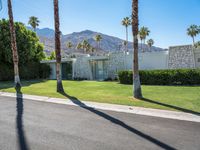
{"points": [[108, 43]]}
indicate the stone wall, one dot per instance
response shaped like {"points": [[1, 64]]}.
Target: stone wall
{"points": [[181, 57], [116, 63]]}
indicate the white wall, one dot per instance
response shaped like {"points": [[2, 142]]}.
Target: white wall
{"points": [[116, 62], [153, 60]]}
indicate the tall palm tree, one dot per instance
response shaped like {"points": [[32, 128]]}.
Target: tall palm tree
{"points": [[57, 47], [14, 46], [126, 22], [137, 91], [150, 43], [193, 31], [98, 39], [34, 22], [143, 33]]}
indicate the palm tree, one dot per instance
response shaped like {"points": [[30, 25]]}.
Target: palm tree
{"points": [[85, 46], [126, 22], [150, 43], [193, 31], [137, 91], [34, 22], [69, 45], [57, 47], [14, 46], [141, 36], [98, 39], [92, 49], [79, 46], [124, 43], [143, 33]]}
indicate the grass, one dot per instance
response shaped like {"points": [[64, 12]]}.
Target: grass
{"points": [[180, 98]]}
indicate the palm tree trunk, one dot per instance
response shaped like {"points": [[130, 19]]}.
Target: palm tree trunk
{"points": [[126, 39], [193, 40], [57, 47], [141, 46], [137, 92], [14, 46], [99, 45]]}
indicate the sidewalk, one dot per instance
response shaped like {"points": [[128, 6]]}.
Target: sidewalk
{"points": [[114, 107]]}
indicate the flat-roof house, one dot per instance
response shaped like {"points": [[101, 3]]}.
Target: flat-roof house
{"points": [[103, 67]]}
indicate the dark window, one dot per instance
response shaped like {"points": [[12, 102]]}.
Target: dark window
{"points": [[198, 60]]}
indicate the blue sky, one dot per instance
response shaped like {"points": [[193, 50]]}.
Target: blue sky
{"points": [[167, 19]]}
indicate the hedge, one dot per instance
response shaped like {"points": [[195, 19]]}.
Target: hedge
{"points": [[32, 70], [163, 77]]}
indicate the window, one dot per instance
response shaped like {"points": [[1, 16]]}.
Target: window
{"points": [[198, 60]]}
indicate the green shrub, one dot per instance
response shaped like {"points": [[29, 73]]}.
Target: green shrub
{"points": [[125, 77], [163, 77], [32, 70], [6, 72]]}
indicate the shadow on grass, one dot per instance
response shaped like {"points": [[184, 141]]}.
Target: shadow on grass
{"points": [[10, 84], [171, 106], [22, 143], [119, 123]]}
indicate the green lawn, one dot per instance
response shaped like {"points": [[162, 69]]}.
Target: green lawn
{"points": [[180, 98]]}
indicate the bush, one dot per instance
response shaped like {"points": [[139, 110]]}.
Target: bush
{"points": [[6, 72], [32, 70], [163, 77], [125, 77]]}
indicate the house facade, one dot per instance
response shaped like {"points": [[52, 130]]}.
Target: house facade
{"points": [[83, 66], [104, 67]]}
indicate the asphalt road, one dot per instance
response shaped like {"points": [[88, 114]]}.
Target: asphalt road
{"points": [[32, 125]]}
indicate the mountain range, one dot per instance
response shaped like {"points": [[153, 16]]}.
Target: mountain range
{"points": [[107, 44]]}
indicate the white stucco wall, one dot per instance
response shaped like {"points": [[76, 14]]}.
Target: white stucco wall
{"points": [[153, 60], [147, 61]]}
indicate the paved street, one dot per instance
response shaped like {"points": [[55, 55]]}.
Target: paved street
{"points": [[32, 125]]}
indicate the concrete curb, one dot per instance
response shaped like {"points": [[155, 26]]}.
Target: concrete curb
{"points": [[114, 107]]}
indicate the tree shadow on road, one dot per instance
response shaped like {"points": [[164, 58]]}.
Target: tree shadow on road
{"points": [[171, 106], [119, 123], [22, 143]]}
